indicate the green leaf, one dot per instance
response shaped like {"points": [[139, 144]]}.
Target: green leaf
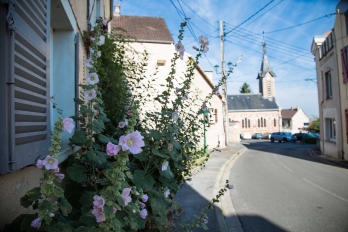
{"points": [[116, 225], [78, 101], [26, 222], [141, 180], [85, 110], [47, 206], [104, 139], [142, 156], [98, 125], [47, 189], [59, 192], [97, 156], [77, 173], [167, 173], [87, 198], [129, 175], [79, 138], [155, 134], [157, 153], [109, 212], [25, 202], [34, 194], [64, 206], [88, 220]]}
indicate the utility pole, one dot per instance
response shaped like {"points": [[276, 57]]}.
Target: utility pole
{"points": [[224, 87]]}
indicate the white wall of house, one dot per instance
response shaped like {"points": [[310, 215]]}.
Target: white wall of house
{"points": [[296, 123]]}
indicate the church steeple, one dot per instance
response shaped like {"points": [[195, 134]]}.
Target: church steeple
{"points": [[266, 75]]}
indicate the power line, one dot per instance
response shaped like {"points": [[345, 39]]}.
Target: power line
{"points": [[249, 18]]}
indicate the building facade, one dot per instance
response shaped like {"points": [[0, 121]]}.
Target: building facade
{"points": [[294, 120], [43, 56]]}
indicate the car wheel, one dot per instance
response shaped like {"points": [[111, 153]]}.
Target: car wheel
{"points": [[272, 140], [285, 140]]}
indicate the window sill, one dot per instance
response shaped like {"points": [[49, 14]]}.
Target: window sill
{"points": [[66, 151]]}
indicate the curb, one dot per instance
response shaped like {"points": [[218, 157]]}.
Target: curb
{"points": [[331, 162], [225, 206]]}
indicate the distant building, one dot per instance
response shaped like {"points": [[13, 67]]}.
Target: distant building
{"points": [[294, 120]]}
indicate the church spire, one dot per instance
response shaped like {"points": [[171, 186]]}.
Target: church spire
{"points": [[265, 66]]}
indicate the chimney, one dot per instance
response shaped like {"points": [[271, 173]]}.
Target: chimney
{"points": [[117, 10]]}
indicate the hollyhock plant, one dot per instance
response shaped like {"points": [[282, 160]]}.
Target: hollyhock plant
{"points": [[166, 193], [99, 53], [99, 214], [112, 149], [230, 186], [125, 195], [36, 223], [98, 202], [52, 215], [143, 213], [205, 221], [91, 50], [203, 40], [126, 122], [175, 116], [92, 78], [170, 147], [142, 205], [89, 63], [177, 89], [194, 47], [39, 164], [165, 165], [50, 163], [114, 209], [132, 142], [56, 169], [90, 94], [204, 106], [101, 40], [121, 124], [179, 47], [68, 124], [60, 176], [144, 198], [92, 39]]}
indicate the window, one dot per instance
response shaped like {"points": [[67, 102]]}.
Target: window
{"points": [[328, 85], [258, 122], [248, 123], [242, 123], [288, 123], [275, 122], [264, 122], [261, 122], [330, 129], [344, 64], [216, 116]]}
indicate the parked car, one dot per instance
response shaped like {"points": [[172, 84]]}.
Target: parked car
{"points": [[281, 137], [267, 135], [245, 135], [299, 136], [257, 136]]}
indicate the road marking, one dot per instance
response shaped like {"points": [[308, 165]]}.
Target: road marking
{"points": [[325, 190], [275, 156], [286, 167]]}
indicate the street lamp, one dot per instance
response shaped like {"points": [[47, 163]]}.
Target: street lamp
{"points": [[311, 79]]}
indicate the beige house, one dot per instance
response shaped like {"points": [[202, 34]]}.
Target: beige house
{"points": [[294, 120], [153, 35], [42, 55], [330, 51], [257, 113]]}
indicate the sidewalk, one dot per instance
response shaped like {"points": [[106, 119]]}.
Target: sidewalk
{"points": [[204, 186], [328, 159]]}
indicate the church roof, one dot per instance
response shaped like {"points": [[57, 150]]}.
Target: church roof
{"points": [[251, 102], [144, 29], [265, 66]]}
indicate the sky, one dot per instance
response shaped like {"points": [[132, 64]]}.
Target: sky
{"points": [[289, 27]]}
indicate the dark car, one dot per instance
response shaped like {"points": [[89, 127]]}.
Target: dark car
{"points": [[299, 136], [257, 136]]}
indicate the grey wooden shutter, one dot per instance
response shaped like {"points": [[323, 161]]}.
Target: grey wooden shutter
{"points": [[28, 84]]}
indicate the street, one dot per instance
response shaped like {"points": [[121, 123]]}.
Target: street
{"points": [[281, 187]]}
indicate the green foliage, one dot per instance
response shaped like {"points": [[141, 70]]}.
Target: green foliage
{"points": [[245, 88], [310, 140], [314, 125], [77, 173]]}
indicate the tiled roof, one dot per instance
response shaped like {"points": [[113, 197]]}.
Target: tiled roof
{"points": [[288, 113], [250, 102], [144, 29]]}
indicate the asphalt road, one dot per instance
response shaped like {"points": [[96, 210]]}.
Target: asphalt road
{"points": [[281, 187]]}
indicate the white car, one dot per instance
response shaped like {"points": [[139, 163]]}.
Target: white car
{"points": [[245, 135]]}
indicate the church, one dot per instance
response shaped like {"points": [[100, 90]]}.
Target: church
{"points": [[260, 112]]}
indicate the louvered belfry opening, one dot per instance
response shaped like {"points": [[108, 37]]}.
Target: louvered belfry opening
{"points": [[30, 67]]}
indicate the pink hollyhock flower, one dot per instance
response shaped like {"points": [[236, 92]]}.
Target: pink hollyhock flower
{"points": [[98, 202], [99, 53], [114, 209], [56, 169], [204, 106], [68, 124], [177, 89], [170, 146], [60, 176], [52, 215], [36, 223], [89, 63], [165, 165], [203, 40], [101, 40], [92, 38], [50, 163], [121, 124], [166, 193], [143, 213], [128, 112], [144, 198], [142, 205], [99, 214], [126, 122], [185, 97], [205, 49], [112, 149], [175, 116], [90, 94], [125, 195], [92, 78], [91, 50], [205, 221], [194, 47], [230, 186], [179, 47], [137, 193], [39, 164], [133, 210], [105, 22], [132, 142]]}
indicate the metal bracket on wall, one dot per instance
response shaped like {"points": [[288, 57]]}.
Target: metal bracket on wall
{"points": [[11, 15]]}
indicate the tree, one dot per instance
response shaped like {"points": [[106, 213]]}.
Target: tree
{"points": [[314, 125], [245, 88]]}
